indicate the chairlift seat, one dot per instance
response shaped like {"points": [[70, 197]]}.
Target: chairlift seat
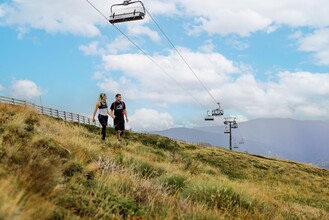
{"points": [[235, 125], [209, 118], [127, 11]]}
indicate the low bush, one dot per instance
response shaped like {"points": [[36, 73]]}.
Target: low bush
{"points": [[173, 182]]}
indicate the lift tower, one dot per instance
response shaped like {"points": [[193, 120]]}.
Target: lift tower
{"points": [[230, 123]]}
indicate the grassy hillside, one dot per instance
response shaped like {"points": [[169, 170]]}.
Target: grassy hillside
{"points": [[50, 169]]}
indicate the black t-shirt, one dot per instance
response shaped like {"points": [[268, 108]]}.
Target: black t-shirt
{"points": [[119, 109]]}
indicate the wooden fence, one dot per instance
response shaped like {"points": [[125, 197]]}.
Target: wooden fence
{"points": [[66, 116]]}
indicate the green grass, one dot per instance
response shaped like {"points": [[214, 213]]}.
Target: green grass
{"points": [[51, 169]]}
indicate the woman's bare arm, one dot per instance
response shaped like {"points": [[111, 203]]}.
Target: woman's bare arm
{"points": [[111, 114], [96, 108]]}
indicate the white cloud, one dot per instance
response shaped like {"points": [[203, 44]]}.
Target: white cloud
{"points": [[245, 17], [25, 89], [91, 49], [97, 75], [296, 35], [162, 7], [74, 16], [237, 44], [222, 17], [22, 31], [143, 79], [297, 95], [318, 44], [287, 94], [2, 10], [227, 22], [213, 16], [120, 44], [207, 47], [150, 120], [137, 29], [2, 88], [109, 85]]}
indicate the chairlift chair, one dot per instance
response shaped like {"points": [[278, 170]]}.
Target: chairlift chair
{"points": [[218, 112], [241, 141], [209, 117], [127, 11], [235, 125], [236, 146], [227, 131]]}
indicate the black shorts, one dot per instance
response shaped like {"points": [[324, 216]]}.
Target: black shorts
{"points": [[119, 124]]}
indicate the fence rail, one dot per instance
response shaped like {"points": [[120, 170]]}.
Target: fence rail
{"points": [[66, 116]]}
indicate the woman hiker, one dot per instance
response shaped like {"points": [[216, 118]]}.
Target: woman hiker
{"points": [[103, 113]]}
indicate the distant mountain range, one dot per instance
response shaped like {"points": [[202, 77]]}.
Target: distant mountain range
{"points": [[304, 141]]}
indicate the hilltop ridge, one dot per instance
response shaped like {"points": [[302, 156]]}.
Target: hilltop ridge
{"points": [[51, 169]]}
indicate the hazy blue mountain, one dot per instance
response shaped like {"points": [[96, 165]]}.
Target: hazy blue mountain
{"points": [[305, 141]]}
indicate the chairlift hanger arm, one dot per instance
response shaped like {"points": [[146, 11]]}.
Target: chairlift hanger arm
{"points": [[128, 2]]}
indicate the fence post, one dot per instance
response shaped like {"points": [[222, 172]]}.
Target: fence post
{"points": [[65, 115], [78, 119], [57, 113], [51, 112], [14, 103], [71, 116], [42, 112], [88, 121], [25, 103]]}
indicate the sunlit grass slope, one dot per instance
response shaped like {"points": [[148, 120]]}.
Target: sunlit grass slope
{"points": [[50, 169]]}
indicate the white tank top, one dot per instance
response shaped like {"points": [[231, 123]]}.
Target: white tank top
{"points": [[103, 109]]}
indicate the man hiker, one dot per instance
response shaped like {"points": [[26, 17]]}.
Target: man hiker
{"points": [[119, 111]]}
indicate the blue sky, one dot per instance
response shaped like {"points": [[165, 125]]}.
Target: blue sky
{"points": [[259, 60]]}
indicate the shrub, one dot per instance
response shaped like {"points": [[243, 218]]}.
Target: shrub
{"points": [[173, 182], [149, 171], [72, 168], [48, 146], [149, 140], [218, 196], [167, 144]]}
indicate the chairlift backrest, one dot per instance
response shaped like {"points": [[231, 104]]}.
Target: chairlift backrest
{"points": [[127, 11], [217, 112]]}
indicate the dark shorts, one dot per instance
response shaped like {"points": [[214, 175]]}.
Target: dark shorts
{"points": [[119, 124]]}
